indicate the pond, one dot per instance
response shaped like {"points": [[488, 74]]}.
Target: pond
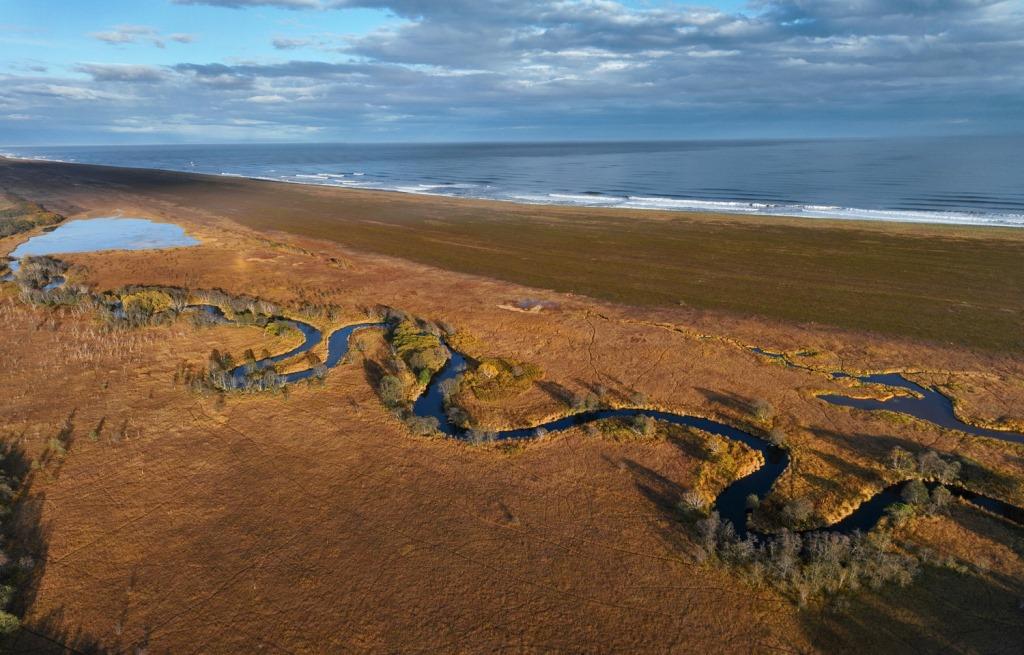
{"points": [[112, 233]]}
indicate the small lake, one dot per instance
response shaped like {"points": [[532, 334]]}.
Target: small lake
{"points": [[93, 234]]}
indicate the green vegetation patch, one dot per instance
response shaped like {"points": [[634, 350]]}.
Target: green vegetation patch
{"points": [[496, 378], [419, 348], [147, 302], [280, 329], [19, 215]]}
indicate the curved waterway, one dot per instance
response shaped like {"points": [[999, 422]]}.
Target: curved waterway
{"points": [[337, 346], [731, 504], [927, 403]]}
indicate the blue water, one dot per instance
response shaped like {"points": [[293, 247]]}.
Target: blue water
{"points": [[93, 234], [927, 403], [966, 180]]}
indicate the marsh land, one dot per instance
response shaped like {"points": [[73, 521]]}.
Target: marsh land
{"points": [[286, 494]]}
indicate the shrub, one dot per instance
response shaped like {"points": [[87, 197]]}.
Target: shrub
{"points": [[450, 388], [777, 436], [392, 391], [900, 513], [809, 565], [714, 446], [915, 493], [21, 215], [585, 402], [797, 512], [763, 410], [423, 377], [428, 360], [9, 623], [638, 398], [941, 497], [37, 272], [280, 328], [422, 425], [148, 302], [900, 460], [495, 378], [644, 424], [693, 500], [930, 464], [457, 415], [481, 436]]}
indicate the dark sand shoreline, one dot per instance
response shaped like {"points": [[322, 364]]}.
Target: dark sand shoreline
{"points": [[773, 219], [862, 275]]}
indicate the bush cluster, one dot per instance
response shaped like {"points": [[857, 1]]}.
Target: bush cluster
{"points": [[495, 378], [21, 216], [928, 464], [809, 565], [918, 500], [246, 310], [218, 374], [418, 344]]}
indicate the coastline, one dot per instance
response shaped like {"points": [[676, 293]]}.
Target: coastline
{"points": [[862, 275], [599, 201]]}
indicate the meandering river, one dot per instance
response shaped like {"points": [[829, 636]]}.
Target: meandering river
{"points": [[731, 504]]}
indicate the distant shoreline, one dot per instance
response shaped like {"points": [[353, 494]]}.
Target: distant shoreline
{"points": [[451, 179], [947, 283], [512, 206]]}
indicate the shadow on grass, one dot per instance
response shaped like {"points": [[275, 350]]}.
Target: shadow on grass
{"points": [[665, 495], [26, 544], [739, 404], [942, 611], [557, 391]]}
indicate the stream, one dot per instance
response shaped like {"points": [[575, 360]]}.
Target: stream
{"points": [[731, 503], [927, 403]]}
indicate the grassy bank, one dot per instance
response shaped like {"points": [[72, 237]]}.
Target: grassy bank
{"points": [[949, 284]]}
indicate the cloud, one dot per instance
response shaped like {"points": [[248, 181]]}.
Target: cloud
{"points": [[467, 67], [290, 44], [267, 99], [122, 72], [125, 34], [71, 92]]}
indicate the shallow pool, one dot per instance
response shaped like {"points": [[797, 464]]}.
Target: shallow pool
{"points": [[92, 234]]}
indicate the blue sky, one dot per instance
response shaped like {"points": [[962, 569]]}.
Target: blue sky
{"points": [[166, 71]]}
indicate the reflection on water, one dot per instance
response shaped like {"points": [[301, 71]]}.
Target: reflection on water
{"points": [[93, 234]]}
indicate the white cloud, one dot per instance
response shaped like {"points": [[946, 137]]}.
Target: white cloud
{"points": [[267, 99], [126, 34]]}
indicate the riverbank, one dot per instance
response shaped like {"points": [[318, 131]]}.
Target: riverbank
{"points": [[959, 285]]}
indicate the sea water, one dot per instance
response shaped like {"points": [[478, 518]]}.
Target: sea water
{"points": [[961, 180]]}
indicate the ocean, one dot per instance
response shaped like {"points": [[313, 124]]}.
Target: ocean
{"points": [[960, 180]]}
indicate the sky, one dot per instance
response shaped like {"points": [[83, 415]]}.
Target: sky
{"points": [[211, 71]]}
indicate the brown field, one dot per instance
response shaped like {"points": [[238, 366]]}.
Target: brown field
{"points": [[317, 523], [940, 283]]}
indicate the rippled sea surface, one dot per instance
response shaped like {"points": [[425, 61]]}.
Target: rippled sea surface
{"points": [[967, 180]]}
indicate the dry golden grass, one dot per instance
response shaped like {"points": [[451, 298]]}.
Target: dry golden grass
{"points": [[317, 523]]}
